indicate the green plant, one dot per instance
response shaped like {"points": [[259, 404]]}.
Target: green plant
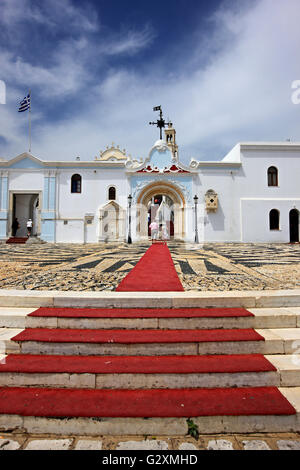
{"points": [[192, 428]]}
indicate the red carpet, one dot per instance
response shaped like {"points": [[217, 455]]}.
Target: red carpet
{"points": [[62, 335], [144, 403], [28, 363], [18, 240], [140, 312], [155, 272]]}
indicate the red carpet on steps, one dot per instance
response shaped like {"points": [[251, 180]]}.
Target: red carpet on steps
{"points": [[62, 335], [155, 272], [144, 403], [140, 312], [28, 363]]}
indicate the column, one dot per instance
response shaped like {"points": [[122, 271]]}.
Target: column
{"points": [[48, 215], [3, 204]]}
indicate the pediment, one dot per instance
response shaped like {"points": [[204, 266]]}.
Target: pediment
{"points": [[25, 161], [111, 205]]}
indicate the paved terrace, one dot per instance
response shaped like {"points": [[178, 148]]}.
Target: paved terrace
{"points": [[101, 267]]}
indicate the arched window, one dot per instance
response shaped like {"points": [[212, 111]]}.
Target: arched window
{"points": [[274, 219], [272, 176], [76, 184], [112, 193]]}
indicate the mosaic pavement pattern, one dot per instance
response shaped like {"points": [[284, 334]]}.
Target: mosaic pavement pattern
{"points": [[96, 267]]}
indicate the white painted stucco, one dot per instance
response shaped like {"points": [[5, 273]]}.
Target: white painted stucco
{"points": [[239, 180]]}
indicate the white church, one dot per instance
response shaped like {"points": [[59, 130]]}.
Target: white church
{"points": [[251, 195]]}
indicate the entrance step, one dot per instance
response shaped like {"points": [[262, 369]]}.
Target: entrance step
{"points": [[145, 342], [11, 317], [289, 299], [35, 239], [6, 345], [176, 318], [140, 372], [144, 403], [289, 368], [164, 426], [263, 318], [40, 410], [154, 342]]}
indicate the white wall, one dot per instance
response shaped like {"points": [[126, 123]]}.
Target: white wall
{"points": [[257, 198], [73, 207], [245, 199], [72, 232], [255, 220], [26, 180], [224, 224], [255, 167]]}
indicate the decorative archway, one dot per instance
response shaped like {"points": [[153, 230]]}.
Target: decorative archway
{"points": [[163, 188], [111, 222]]}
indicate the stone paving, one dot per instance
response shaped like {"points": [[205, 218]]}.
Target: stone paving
{"points": [[96, 267], [151, 443]]}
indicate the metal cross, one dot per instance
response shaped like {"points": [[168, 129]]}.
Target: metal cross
{"points": [[160, 122]]}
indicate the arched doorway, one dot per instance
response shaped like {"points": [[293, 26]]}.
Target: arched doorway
{"points": [[166, 202], [161, 209], [294, 226]]}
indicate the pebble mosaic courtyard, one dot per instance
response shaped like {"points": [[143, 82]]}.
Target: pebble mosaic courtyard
{"points": [[208, 267]]}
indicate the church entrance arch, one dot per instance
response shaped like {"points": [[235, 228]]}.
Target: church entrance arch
{"points": [[165, 203]]}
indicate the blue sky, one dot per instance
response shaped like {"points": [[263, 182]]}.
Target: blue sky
{"points": [[222, 71]]}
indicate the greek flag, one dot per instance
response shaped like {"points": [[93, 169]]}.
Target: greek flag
{"points": [[25, 104]]}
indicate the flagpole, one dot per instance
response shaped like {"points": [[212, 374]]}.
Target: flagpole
{"points": [[30, 122]]}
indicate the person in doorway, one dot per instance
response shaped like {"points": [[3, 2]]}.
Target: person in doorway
{"points": [[165, 234], [29, 227], [154, 229], [15, 226]]}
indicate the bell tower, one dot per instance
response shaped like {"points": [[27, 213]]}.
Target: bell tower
{"points": [[170, 135]]}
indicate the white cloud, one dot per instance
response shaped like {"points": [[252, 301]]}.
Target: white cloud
{"points": [[243, 92], [51, 13], [130, 42]]}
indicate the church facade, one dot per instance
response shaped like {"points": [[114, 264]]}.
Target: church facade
{"points": [[252, 195]]}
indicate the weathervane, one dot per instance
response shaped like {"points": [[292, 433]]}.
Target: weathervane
{"points": [[160, 122]]}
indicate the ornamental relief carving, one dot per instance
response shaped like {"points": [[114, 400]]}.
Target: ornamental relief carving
{"points": [[181, 188]]}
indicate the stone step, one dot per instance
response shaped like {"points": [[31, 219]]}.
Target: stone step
{"points": [[146, 342], [288, 367], [190, 318], [14, 419], [8, 346], [178, 371], [14, 317], [206, 299], [280, 338], [141, 372], [276, 341], [262, 318]]}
